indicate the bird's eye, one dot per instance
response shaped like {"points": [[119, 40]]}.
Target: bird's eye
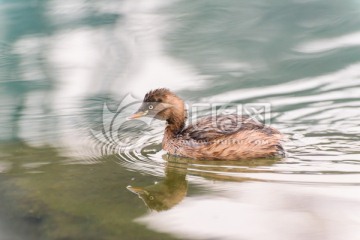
{"points": [[151, 107], [151, 198]]}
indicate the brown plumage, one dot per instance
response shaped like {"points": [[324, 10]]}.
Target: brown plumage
{"points": [[222, 137]]}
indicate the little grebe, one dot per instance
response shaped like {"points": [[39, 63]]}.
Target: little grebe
{"points": [[237, 137]]}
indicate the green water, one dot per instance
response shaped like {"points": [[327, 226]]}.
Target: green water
{"points": [[72, 71]]}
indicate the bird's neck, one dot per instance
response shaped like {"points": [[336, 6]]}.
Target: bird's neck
{"points": [[176, 123]]}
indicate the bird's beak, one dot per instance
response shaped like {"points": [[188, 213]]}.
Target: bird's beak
{"points": [[137, 190], [138, 115]]}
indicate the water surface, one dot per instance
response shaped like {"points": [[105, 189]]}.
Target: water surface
{"points": [[72, 71]]}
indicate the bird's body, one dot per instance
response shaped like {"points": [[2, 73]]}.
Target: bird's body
{"points": [[242, 139], [221, 137]]}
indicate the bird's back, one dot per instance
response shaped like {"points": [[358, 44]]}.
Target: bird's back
{"points": [[229, 137]]}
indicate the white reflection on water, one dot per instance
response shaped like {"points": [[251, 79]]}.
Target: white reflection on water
{"points": [[87, 61], [344, 78], [349, 40], [143, 32], [76, 54], [255, 211]]}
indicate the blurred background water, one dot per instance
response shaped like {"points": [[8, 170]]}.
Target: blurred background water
{"points": [[68, 66]]}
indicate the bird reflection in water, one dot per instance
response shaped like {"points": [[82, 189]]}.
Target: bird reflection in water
{"points": [[173, 189], [168, 193]]}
